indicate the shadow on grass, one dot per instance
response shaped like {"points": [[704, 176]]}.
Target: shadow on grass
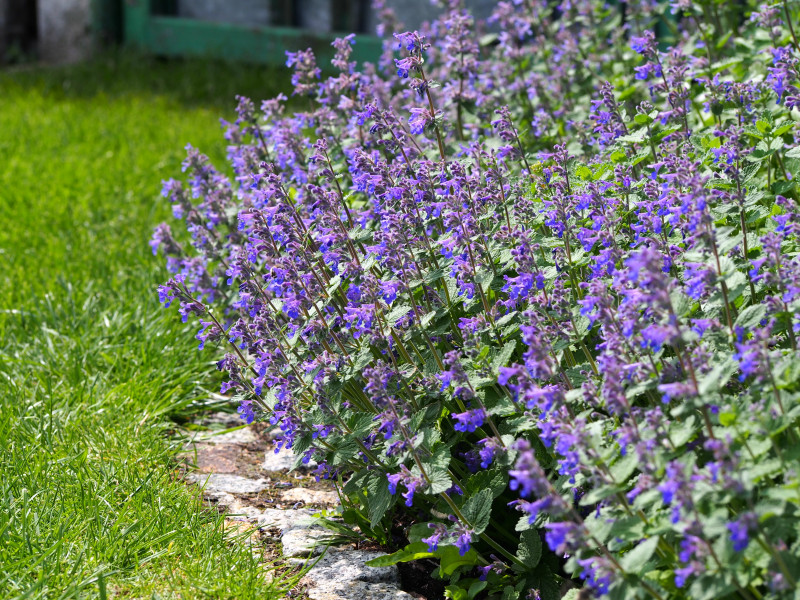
{"points": [[191, 82]]}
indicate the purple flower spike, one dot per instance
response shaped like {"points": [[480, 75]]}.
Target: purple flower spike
{"points": [[439, 533], [741, 529], [464, 540], [469, 421]]}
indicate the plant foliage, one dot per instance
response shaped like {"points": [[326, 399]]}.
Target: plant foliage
{"points": [[535, 291]]}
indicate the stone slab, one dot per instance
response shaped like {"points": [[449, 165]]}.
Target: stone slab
{"points": [[245, 510], [307, 496], [285, 520], [349, 566], [358, 590], [243, 436], [225, 420], [214, 459], [223, 483], [301, 542], [281, 461]]}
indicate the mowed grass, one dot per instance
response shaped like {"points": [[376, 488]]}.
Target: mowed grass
{"points": [[92, 370]]}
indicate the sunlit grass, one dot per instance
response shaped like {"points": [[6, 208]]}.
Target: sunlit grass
{"points": [[91, 370]]}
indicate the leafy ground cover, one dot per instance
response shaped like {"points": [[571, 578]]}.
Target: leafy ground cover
{"points": [[89, 371], [530, 298]]}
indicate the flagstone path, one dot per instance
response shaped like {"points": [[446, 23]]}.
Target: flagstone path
{"points": [[241, 475]]}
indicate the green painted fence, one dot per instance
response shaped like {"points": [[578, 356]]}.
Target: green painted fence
{"points": [[175, 36]]}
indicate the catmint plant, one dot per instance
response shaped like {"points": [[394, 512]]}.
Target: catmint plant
{"points": [[527, 291]]}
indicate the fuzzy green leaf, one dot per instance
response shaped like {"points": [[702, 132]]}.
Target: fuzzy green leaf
{"points": [[478, 510], [635, 560], [529, 550], [378, 498]]}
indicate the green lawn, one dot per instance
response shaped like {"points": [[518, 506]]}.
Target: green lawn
{"points": [[91, 368]]}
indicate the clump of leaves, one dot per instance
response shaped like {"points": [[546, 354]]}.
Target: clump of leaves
{"points": [[538, 291]]}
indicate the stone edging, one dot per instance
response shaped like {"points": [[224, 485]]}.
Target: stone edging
{"points": [[239, 478]]}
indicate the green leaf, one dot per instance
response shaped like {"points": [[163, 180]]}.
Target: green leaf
{"points": [[378, 498], [335, 282], [502, 357], [484, 279], [429, 414], [440, 481], [397, 313], [345, 451], [451, 559], [411, 552], [636, 137], [434, 275], [584, 172], [717, 377], [478, 510], [354, 485], [441, 457], [635, 560], [476, 588], [751, 316], [506, 318], [362, 360], [622, 469], [360, 424], [489, 479], [529, 550], [793, 153], [711, 587], [788, 372], [456, 592], [509, 593], [427, 318], [488, 39], [542, 579], [418, 531]]}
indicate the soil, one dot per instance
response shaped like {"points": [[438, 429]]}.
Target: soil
{"points": [[416, 577]]}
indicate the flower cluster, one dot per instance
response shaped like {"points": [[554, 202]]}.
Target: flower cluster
{"points": [[535, 291]]}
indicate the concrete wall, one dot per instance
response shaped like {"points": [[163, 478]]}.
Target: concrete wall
{"points": [[65, 30], [65, 35], [315, 15], [238, 12], [412, 13], [3, 28]]}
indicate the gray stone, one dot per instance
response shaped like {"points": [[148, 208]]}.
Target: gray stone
{"points": [[285, 520], [301, 542], [245, 510], [282, 461], [64, 30], [347, 566], [217, 484], [225, 420], [240, 437], [307, 496], [209, 458], [358, 590]]}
